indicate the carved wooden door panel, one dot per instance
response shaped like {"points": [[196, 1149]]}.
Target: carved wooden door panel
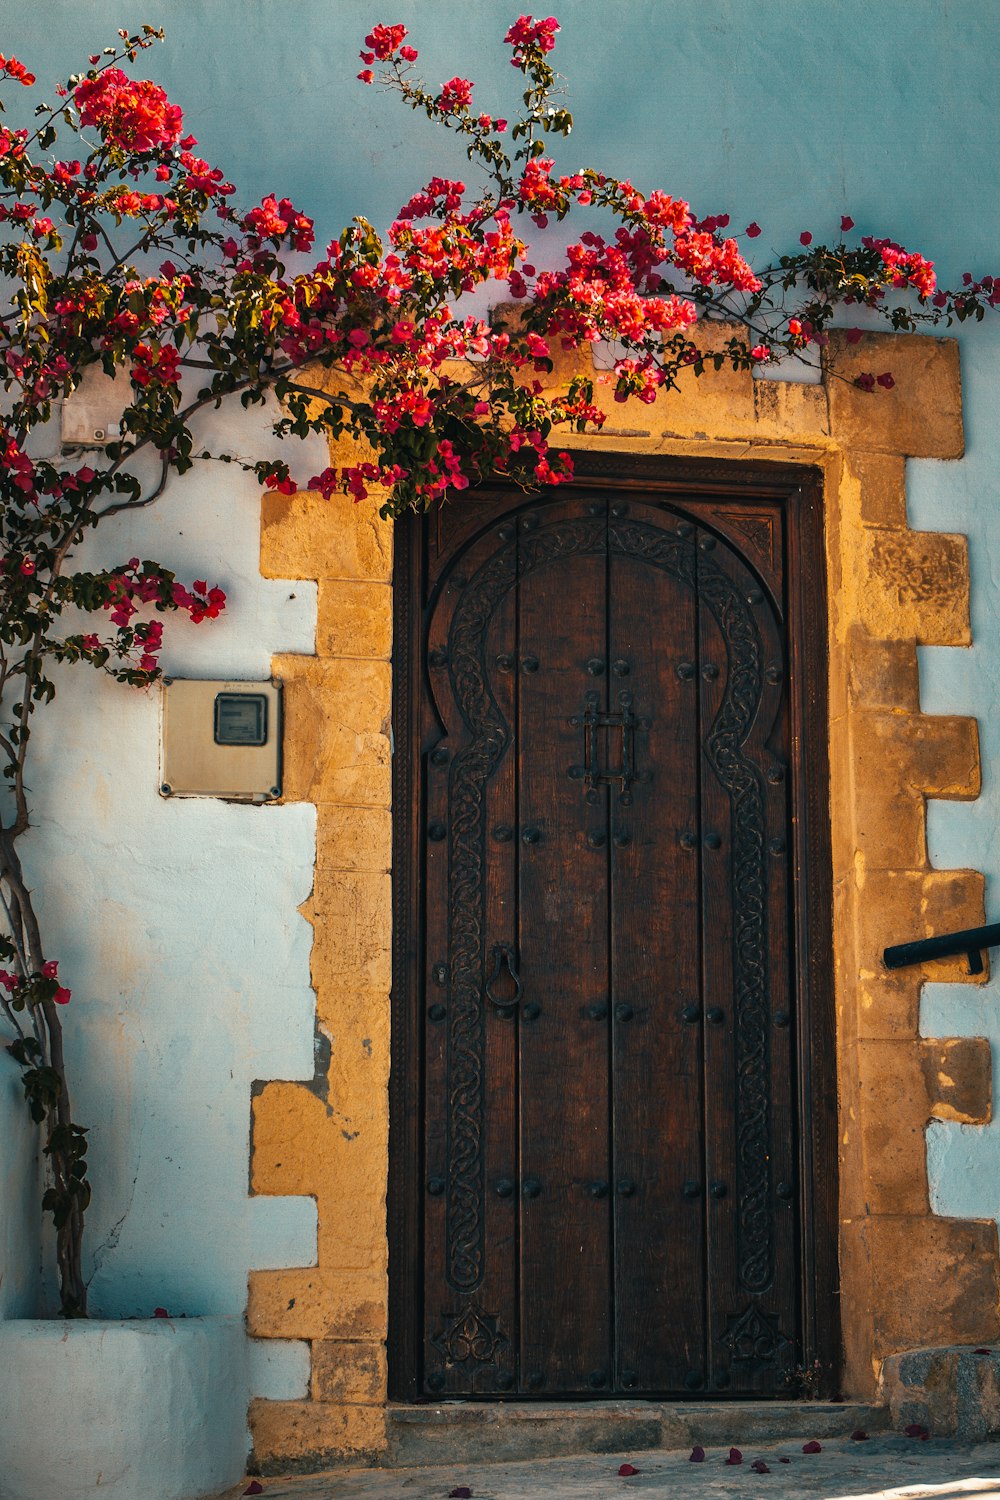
{"points": [[609, 1101]]}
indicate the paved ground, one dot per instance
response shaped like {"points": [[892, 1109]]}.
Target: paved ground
{"points": [[886, 1467]]}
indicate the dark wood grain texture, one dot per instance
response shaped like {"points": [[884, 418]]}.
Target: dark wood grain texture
{"points": [[625, 1181]]}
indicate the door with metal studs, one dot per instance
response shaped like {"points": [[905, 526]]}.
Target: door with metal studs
{"points": [[610, 1194]]}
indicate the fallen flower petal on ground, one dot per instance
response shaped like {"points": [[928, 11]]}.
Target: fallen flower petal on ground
{"points": [[697, 1454], [735, 1456], [812, 1447], [627, 1470], [759, 1466], [858, 1436]]}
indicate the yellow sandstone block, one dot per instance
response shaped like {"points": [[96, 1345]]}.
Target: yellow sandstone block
{"points": [[354, 619], [349, 1372], [306, 1436], [920, 417], [305, 536]]}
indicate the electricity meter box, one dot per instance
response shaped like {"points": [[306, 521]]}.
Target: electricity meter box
{"points": [[221, 739]]}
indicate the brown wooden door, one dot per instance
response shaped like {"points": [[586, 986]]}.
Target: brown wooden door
{"points": [[610, 1195]]}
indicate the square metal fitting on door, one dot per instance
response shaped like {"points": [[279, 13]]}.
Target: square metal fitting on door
{"points": [[221, 739]]}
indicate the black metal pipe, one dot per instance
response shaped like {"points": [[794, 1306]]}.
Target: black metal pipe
{"points": [[971, 942]]}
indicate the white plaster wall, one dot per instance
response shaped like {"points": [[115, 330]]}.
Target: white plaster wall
{"points": [[175, 921], [175, 924]]}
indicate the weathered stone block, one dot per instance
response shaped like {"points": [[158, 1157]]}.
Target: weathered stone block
{"points": [[354, 934], [881, 479], [881, 673], [353, 838], [953, 1392], [301, 1437], [914, 586], [958, 1076], [932, 1281], [894, 1110], [921, 417], [901, 906], [337, 730], [305, 536], [349, 1372], [354, 619], [317, 1304]]}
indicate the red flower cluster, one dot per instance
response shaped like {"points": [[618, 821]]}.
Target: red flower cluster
{"points": [[384, 41], [706, 259], [906, 267], [439, 193], [456, 94], [528, 35], [276, 221], [11, 68], [20, 989], [156, 364], [135, 115]]}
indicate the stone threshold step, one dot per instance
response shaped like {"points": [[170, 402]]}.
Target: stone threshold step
{"points": [[503, 1432]]}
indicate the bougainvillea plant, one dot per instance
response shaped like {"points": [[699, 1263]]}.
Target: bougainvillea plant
{"points": [[123, 251]]}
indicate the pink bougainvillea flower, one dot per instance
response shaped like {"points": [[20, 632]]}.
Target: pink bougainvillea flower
{"points": [[384, 41], [62, 996], [805, 238], [627, 1470], [735, 1457], [752, 230], [697, 1455], [456, 94], [865, 382], [50, 969], [812, 1447], [859, 1435], [885, 381], [16, 70], [253, 1488], [27, 567], [759, 1466], [854, 335], [846, 223], [133, 114], [160, 1312]]}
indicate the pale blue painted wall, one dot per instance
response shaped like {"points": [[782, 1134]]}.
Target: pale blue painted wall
{"points": [[781, 110]]}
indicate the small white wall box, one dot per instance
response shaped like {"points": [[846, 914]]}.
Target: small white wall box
{"points": [[221, 739], [92, 415]]}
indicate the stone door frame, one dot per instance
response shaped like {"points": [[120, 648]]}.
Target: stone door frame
{"points": [[908, 1278]]}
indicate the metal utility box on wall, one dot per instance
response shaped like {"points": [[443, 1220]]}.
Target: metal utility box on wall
{"points": [[221, 739]]}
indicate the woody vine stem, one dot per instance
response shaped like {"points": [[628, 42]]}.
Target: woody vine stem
{"points": [[125, 254]]}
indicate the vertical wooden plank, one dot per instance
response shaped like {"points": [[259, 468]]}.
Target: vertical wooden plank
{"points": [[565, 1166], [498, 1294], [752, 1272], [470, 1343], [656, 999]]}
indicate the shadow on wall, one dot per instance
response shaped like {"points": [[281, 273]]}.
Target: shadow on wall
{"points": [[20, 1216]]}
